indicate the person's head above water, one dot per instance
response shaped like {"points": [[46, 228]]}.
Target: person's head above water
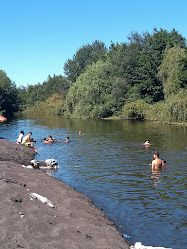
{"points": [[156, 153], [146, 143]]}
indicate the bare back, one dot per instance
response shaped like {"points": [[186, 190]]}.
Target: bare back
{"points": [[156, 163]]}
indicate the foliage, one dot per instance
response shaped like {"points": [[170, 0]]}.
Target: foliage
{"points": [[170, 71], [151, 56], [138, 62], [9, 101], [89, 97], [137, 109], [176, 107], [56, 84], [22, 95], [41, 92], [118, 96], [133, 75], [183, 71], [84, 56], [53, 105]]}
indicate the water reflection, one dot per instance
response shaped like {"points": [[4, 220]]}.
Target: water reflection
{"points": [[157, 176]]}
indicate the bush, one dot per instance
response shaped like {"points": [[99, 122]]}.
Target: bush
{"points": [[156, 112], [176, 108], [173, 110], [53, 105], [137, 109]]}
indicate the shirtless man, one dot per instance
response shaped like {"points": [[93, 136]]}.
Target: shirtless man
{"points": [[66, 141], [157, 162]]}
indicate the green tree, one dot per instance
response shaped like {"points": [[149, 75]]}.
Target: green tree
{"points": [[56, 84], [170, 71], [34, 94], [145, 74], [84, 56], [90, 95], [138, 62], [9, 102], [183, 71], [22, 96], [120, 87]]}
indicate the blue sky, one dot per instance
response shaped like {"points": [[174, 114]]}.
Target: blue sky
{"points": [[38, 36]]}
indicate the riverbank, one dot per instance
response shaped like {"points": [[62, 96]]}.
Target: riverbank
{"points": [[150, 120], [26, 222]]}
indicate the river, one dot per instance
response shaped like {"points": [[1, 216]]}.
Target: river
{"points": [[110, 165]]}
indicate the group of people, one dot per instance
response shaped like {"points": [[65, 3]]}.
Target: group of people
{"points": [[157, 163], [26, 140], [29, 142], [50, 140]]}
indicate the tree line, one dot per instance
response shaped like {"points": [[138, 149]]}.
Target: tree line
{"points": [[145, 77]]}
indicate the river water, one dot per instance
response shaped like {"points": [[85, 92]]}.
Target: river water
{"points": [[109, 164]]}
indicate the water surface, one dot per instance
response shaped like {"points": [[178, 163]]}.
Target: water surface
{"points": [[109, 164]]}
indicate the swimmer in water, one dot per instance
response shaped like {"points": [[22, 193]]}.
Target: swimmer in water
{"points": [[66, 141], [157, 162], [147, 143]]}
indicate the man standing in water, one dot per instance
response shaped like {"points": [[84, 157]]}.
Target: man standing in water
{"points": [[157, 162]]}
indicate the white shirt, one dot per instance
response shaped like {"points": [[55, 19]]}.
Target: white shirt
{"points": [[20, 138]]}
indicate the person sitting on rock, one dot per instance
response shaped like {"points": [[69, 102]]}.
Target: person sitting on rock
{"points": [[28, 141], [20, 138]]}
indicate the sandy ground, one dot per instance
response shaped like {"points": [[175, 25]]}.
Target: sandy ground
{"points": [[25, 222]]}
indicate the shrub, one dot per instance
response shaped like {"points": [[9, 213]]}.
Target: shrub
{"points": [[176, 107], [137, 109], [53, 105]]}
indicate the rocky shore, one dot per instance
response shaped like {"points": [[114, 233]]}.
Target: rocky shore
{"points": [[71, 222]]}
